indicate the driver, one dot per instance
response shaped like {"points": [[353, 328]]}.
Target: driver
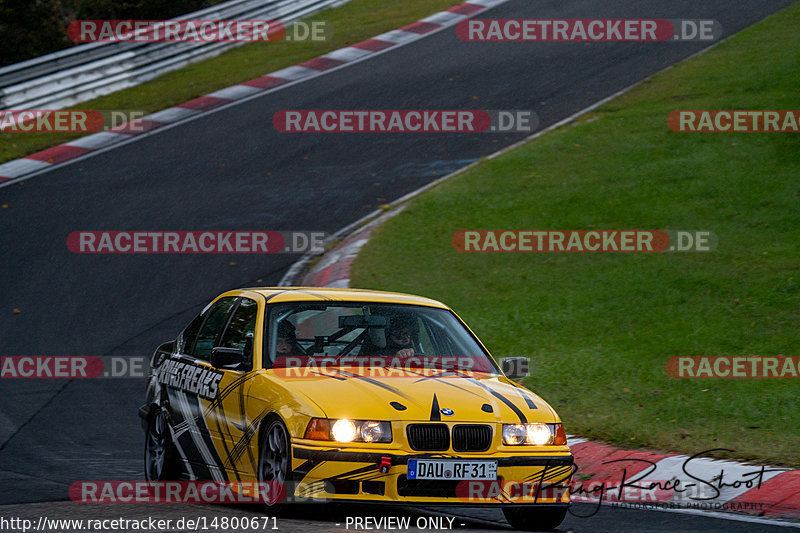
{"points": [[399, 337], [287, 339]]}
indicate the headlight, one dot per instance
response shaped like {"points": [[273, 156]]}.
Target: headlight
{"points": [[513, 434], [534, 434], [344, 430], [371, 431], [538, 434]]}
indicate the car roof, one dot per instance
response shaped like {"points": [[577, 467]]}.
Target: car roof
{"points": [[327, 294]]}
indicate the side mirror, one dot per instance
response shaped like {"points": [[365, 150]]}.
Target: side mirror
{"points": [[515, 367], [226, 357]]}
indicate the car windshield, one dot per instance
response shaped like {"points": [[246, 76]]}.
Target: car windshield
{"points": [[371, 335]]}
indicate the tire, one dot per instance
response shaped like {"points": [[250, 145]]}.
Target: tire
{"points": [[159, 452], [274, 461], [531, 519]]}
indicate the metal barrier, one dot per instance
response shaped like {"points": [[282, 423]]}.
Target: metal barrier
{"points": [[86, 71]]}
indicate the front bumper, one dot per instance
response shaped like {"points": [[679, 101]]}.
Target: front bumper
{"points": [[324, 474]]}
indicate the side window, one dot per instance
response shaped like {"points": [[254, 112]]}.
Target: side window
{"points": [[241, 331], [189, 335], [216, 320], [424, 338]]}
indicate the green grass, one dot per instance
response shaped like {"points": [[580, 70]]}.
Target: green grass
{"points": [[599, 328], [353, 22]]}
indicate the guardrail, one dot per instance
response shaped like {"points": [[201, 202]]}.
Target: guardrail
{"points": [[83, 72]]}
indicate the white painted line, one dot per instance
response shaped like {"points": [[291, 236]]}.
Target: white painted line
{"points": [[736, 517], [339, 284], [572, 441], [348, 54], [235, 92], [18, 167], [333, 257], [398, 36], [486, 3], [99, 140], [171, 114], [444, 18], [294, 73]]}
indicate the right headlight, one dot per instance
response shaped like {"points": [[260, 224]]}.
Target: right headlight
{"points": [[535, 434]]}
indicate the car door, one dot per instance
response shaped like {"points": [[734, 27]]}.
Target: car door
{"points": [[229, 427], [193, 387]]}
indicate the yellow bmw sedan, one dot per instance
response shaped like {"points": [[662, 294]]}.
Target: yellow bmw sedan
{"points": [[356, 395]]}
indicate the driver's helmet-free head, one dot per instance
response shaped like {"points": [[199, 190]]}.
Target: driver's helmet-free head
{"points": [[401, 331], [286, 330], [285, 344]]}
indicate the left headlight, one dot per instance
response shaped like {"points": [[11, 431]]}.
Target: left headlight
{"points": [[534, 434], [344, 430]]}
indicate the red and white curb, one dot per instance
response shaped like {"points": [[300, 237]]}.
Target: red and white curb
{"points": [[40, 161], [741, 491]]}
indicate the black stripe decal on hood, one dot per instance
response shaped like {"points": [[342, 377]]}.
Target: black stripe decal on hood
{"points": [[436, 416], [381, 385], [528, 401], [509, 403]]}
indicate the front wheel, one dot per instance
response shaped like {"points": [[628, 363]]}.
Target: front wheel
{"points": [[159, 453], [274, 457], [532, 519]]}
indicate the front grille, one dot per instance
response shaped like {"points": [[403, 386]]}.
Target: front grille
{"points": [[428, 437], [431, 488], [472, 438], [373, 487]]}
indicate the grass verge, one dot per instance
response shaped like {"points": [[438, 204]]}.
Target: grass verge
{"points": [[599, 328], [353, 22]]}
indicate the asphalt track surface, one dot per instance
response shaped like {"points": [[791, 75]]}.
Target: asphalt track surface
{"points": [[230, 170]]}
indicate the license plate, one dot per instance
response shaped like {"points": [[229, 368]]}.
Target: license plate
{"points": [[441, 469]]}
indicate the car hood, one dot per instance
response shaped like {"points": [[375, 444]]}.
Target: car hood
{"points": [[480, 398]]}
